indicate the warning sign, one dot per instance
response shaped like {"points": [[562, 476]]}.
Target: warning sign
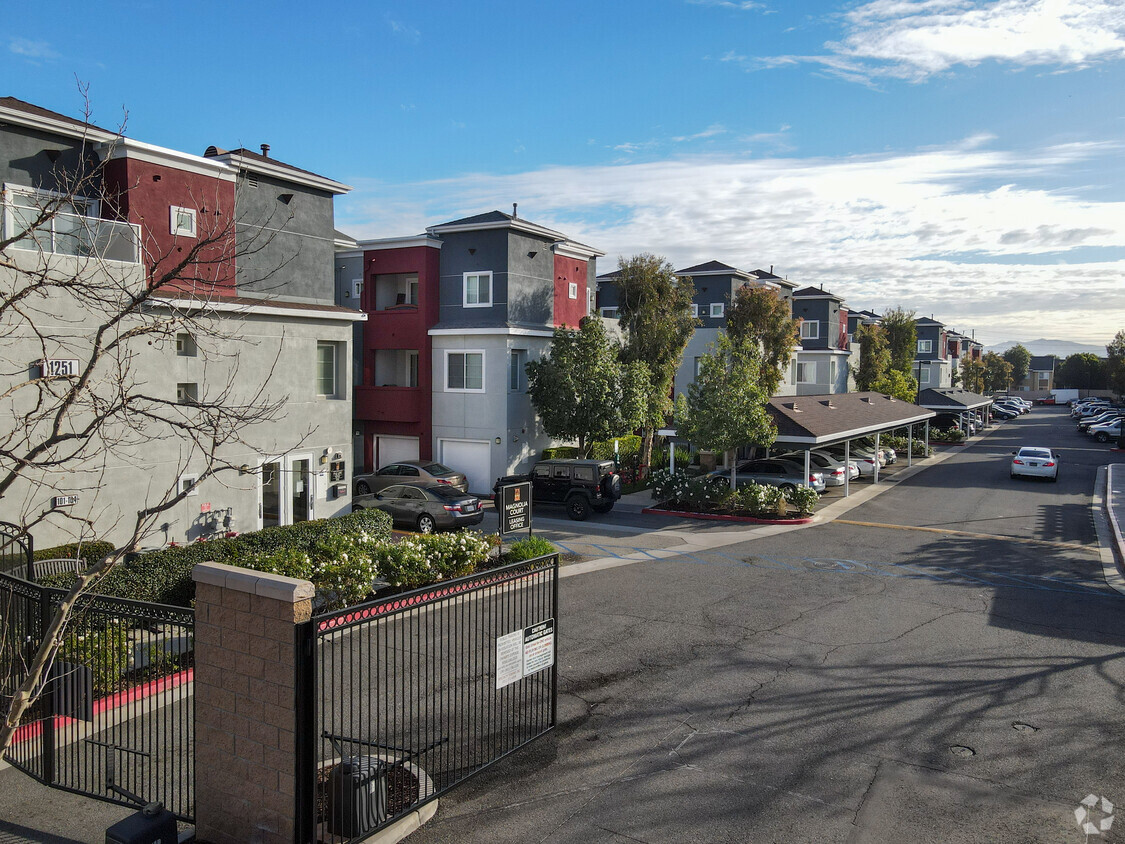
{"points": [[522, 653]]}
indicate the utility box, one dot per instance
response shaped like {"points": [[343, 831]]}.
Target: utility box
{"points": [[151, 825], [357, 796]]}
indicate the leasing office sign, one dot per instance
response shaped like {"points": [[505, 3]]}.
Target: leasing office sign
{"points": [[515, 508]]}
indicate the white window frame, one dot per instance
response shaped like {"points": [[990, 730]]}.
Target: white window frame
{"points": [[483, 373], [923, 376], [606, 313], [185, 345], [810, 329], [694, 310], [357, 288], [804, 366], [190, 483], [717, 309], [337, 392], [174, 225], [925, 347], [697, 363], [189, 395], [572, 290], [411, 369], [90, 208], [517, 359], [465, 289]]}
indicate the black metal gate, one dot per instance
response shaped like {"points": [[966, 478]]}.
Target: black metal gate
{"points": [[16, 551], [114, 719], [401, 699]]}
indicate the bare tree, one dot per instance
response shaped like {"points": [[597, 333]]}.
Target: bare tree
{"points": [[63, 298]]}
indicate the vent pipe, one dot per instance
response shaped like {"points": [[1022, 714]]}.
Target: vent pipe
{"points": [[265, 150]]}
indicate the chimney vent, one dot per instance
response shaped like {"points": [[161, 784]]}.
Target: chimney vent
{"points": [[265, 150], [515, 207]]}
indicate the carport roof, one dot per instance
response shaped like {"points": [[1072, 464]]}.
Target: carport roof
{"points": [[949, 399], [822, 420]]}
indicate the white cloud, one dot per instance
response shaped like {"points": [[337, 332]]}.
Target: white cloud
{"points": [[915, 39], [404, 31], [710, 132], [962, 231], [35, 50], [740, 5]]}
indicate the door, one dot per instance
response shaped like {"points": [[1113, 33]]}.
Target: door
{"points": [[270, 486], [394, 449], [473, 459], [300, 478]]}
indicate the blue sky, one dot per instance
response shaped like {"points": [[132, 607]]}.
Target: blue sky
{"points": [[963, 158]]}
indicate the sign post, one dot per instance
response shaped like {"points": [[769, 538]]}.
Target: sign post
{"points": [[515, 508]]}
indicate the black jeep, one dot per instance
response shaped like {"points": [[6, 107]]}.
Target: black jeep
{"points": [[580, 485]]}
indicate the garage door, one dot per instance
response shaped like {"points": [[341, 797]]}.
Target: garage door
{"points": [[394, 449], [471, 459]]}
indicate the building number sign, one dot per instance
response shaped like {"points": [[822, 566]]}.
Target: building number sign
{"points": [[58, 367]]}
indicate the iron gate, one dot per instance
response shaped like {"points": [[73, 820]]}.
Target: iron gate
{"points": [[115, 717], [401, 699]]}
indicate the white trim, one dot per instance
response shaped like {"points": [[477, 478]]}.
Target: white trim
{"points": [[518, 224], [837, 352], [183, 161], [334, 347], [578, 251], [59, 127], [614, 315], [465, 303], [811, 322], [289, 478], [398, 242], [929, 350], [500, 331], [818, 295], [740, 273], [445, 370], [797, 365], [722, 310], [175, 228], [695, 310], [344, 244], [285, 174], [253, 310], [572, 290], [193, 477]]}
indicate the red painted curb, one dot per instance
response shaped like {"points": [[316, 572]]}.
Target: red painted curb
{"points": [[717, 517]]}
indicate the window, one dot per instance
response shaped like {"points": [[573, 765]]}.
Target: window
{"points": [[694, 309], [584, 473], [717, 309], [517, 361], [357, 288], [66, 231], [542, 471], [609, 313], [572, 290], [189, 484], [925, 346], [187, 393], [805, 373], [561, 472], [182, 221], [412, 289], [832, 371], [464, 372], [923, 375], [185, 345], [810, 329], [698, 365], [327, 383], [478, 290], [411, 369]]}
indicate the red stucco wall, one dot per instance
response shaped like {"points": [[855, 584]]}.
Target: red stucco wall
{"points": [[569, 311]]}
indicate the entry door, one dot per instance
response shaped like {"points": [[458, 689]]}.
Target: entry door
{"points": [[300, 478], [270, 490]]}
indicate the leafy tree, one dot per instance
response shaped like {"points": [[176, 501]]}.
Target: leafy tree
{"points": [[997, 372], [897, 384], [654, 312], [902, 338], [1115, 366], [1020, 359], [726, 405], [582, 391], [761, 315], [874, 356], [1084, 371], [972, 375]]}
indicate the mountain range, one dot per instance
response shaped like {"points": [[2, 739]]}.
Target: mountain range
{"points": [[1062, 348]]}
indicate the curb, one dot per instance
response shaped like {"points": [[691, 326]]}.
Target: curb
{"points": [[719, 517], [1114, 551]]}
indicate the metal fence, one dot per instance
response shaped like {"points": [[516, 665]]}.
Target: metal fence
{"points": [[402, 699], [114, 719]]}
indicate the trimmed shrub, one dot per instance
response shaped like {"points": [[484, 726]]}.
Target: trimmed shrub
{"points": [[105, 650], [899, 445], [529, 549], [714, 493], [560, 451], [803, 499], [953, 435], [88, 552], [627, 446], [420, 560], [679, 488]]}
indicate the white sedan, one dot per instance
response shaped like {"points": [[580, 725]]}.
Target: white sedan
{"points": [[1035, 462]]}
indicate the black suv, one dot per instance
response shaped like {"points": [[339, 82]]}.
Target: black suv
{"points": [[581, 485]]}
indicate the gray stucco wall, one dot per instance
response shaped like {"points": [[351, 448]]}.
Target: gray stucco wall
{"points": [[24, 161], [298, 237]]}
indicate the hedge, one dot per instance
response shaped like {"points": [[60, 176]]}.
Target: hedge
{"points": [[88, 552]]}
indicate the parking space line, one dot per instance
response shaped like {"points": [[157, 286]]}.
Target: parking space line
{"points": [[1072, 546]]}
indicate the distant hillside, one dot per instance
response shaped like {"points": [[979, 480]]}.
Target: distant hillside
{"points": [[1062, 348]]}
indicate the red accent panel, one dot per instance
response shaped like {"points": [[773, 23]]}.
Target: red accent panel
{"points": [[842, 341], [144, 193], [569, 311], [390, 404]]}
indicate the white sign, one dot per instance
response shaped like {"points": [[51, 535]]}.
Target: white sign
{"points": [[524, 652], [64, 500], [58, 368], [509, 659]]}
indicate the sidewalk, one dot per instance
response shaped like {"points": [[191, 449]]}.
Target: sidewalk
{"points": [[1111, 479]]}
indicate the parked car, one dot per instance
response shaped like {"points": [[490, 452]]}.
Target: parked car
{"points": [[775, 471], [409, 471], [1106, 431], [425, 507], [945, 421], [833, 469], [579, 485], [889, 454], [1090, 408], [864, 456], [1035, 462], [1004, 413], [1009, 404], [1084, 425]]}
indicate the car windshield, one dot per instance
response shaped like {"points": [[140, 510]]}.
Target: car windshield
{"points": [[437, 469], [1035, 453]]}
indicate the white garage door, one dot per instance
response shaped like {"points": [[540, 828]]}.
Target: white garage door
{"points": [[471, 459], [394, 449]]}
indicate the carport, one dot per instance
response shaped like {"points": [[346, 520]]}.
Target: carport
{"points": [[808, 422], [953, 400]]}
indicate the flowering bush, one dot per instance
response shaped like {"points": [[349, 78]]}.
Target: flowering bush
{"points": [[341, 566], [420, 560], [714, 493], [803, 498], [678, 488], [899, 445], [953, 435]]}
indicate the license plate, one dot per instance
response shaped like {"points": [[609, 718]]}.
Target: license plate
{"points": [[468, 508], [1033, 465]]}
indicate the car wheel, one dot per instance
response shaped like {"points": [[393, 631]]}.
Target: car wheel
{"points": [[788, 488], [356, 508], [1102, 437], [362, 488], [1012, 475], [578, 508], [425, 523]]}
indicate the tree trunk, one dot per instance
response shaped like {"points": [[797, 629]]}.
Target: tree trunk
{"points": [[646, 448], [733, 464]]}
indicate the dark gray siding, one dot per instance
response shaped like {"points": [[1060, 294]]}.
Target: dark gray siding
{"points": [[820, 310], [24, 161], [489, 252], [531, 281]]}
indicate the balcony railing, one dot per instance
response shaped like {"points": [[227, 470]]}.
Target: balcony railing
{"points": [[65, 233]]}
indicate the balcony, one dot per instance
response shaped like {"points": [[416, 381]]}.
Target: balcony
{"points": [[389, 404], [66, 233]]}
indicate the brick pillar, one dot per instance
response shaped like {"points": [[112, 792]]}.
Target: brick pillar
{"points": [[245, 703]]}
